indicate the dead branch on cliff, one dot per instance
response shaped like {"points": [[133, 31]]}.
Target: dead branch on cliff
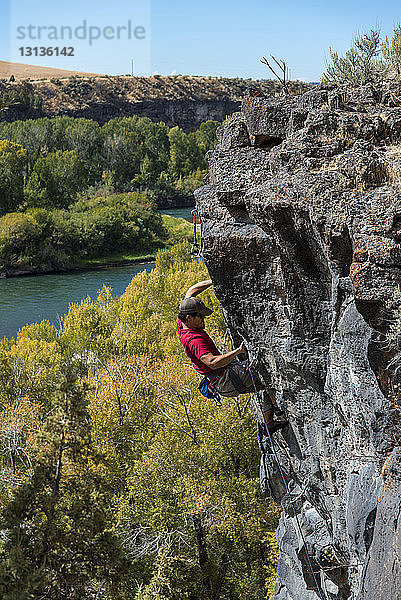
{"points": [[282, 65]]}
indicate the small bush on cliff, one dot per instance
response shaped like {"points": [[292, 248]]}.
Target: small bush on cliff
{"points": [[392, 53], [360, 64], [370, 59], [24, 98]]}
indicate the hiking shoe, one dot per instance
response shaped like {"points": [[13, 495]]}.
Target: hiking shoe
{"points": [[274, 426]]}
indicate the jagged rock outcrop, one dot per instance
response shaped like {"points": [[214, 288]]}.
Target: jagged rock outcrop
{"points": [[301, 235]]}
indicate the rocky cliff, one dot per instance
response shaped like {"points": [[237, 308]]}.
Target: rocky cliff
{"points": [[182, 100], [301, 235]]}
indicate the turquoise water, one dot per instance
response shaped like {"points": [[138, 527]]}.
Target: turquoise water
{"points": [[31, 299], [184, 213]]}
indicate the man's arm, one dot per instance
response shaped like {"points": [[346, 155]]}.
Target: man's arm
{"points": [[221, 360], [199, 287]]}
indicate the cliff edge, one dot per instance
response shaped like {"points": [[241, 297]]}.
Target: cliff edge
{"points": [[301, 235]]}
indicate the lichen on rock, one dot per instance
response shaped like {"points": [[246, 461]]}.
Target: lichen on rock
{"points": [[301, 219]]}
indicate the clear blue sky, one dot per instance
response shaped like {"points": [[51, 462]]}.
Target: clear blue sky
{"points": [[219, 38]]}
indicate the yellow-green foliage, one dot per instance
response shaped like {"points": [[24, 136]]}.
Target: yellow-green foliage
{"points": [[188, 463], [177, 474], [178, 230], [14, 152], [30, 364]]}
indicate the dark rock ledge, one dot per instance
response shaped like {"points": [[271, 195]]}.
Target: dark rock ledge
{"points": [[301, 231]]}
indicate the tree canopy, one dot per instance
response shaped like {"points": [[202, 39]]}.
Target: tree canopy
{"points": [[63, 156]]}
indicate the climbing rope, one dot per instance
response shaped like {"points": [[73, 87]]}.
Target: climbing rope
{"points": [[260, 403], [196, 250]]}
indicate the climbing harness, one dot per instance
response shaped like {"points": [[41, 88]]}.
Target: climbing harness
{"points": [[208, 390], [196, 250], [319, 590]]}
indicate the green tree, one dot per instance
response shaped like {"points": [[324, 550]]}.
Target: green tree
{"points": [[122, 156], [58, 541], [19, 237], [136, 150], [206, 135], [118, 222], [65, 155], [155, 152], [12, 167], [56, 179], [35, 135], [185, 153], [94, 226], [83, 136]]}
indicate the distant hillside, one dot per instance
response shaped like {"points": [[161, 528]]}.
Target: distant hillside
{"points": [[20, 71], [177, 100]]}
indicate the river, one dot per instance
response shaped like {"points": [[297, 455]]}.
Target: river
{"points": [[31, 299], [185, 213]]}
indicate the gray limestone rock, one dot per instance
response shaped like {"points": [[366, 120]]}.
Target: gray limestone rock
{"points": [[382, 575], [234, 134], [301, 236]]}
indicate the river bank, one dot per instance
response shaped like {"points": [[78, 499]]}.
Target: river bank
{"points": [[171, 217], [91, 265]]}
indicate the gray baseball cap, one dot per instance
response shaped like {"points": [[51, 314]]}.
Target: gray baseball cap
{"points": [[194, 305]]}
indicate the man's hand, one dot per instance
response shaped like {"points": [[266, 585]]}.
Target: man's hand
{"points": [[199, 287], [221, 360]]}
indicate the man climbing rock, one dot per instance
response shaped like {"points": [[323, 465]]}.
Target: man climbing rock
{"points": [[227, 375]]}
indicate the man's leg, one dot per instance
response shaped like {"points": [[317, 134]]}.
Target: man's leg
{"points": [[268, 412], [252, 384], [237, 380], [268, 408]]}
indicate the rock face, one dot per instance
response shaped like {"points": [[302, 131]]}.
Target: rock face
{"points": [[301, 235]]}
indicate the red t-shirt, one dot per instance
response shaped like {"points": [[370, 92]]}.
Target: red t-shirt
{"points": [[196, 343]]}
